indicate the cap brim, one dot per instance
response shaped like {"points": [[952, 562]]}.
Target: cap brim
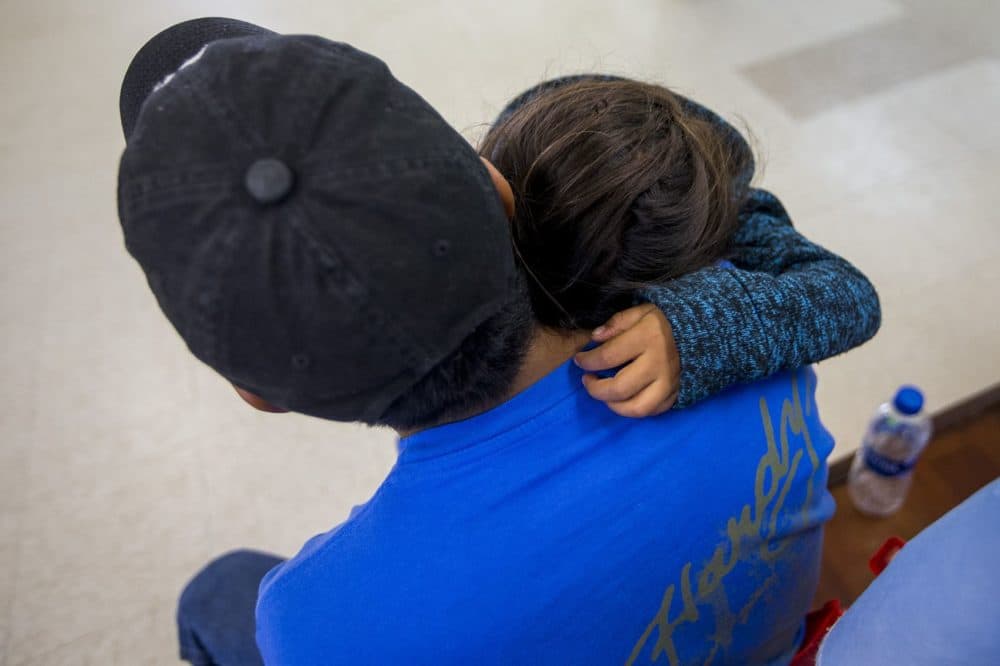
{"points": [[166, 52]]}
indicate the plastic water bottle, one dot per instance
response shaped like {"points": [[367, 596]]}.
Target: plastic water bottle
{"points": [[882, 469]]}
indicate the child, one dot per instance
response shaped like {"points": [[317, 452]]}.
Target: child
{"points": [[776, 302]]}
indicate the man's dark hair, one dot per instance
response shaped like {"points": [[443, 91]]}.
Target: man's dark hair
{"points": [[479, 373], [619, 185]]}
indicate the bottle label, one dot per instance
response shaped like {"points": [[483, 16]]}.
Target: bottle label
{"points": [[886, 466]]}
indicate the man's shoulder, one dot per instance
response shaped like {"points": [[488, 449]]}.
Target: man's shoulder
{"points": [[792, 391], [321, 581]]}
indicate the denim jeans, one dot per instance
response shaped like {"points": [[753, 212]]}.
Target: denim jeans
{"points": [[215, 614]]}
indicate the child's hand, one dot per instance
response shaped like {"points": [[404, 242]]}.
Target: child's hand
{"points": [[642, 338]]}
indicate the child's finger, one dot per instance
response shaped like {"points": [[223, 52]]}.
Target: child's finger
{"points": [[649, 402], [613, 353], [665, 405], [626, 384], [620, 322]]}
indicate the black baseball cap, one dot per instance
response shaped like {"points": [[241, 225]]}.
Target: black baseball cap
{"points": [[312, 227]]}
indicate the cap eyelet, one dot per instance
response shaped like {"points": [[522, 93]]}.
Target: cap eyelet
{"points": [[268, 180], [300, 361], [441, 247]]}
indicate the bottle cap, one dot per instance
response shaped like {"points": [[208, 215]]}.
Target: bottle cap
{"points": [[909, 400]]}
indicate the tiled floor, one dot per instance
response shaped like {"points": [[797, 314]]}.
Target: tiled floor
{"points": [[958, 462], [124, 464]]}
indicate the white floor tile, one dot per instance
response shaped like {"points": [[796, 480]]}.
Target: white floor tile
{"points": [[744, 31], [147, 637], [961, 101], [10, 531], [90, 554]]}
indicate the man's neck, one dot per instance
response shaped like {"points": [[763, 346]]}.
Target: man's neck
{"points": [[547, 351]]}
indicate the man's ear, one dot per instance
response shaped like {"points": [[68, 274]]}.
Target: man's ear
{"points": [[503, 188], [258, 402]]}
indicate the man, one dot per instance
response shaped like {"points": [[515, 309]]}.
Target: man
{"points": [[320, 237]]}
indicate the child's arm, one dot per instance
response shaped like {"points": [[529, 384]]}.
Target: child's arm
{"points": [[785, 302]]}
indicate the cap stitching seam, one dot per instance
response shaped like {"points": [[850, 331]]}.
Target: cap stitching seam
{"points": [[171, 197], [333, 265], [381, 168], [221, 271], [184, 175], [219, 110]]}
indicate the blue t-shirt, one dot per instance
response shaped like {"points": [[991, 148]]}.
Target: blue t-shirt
{"points": [[551, 531]]}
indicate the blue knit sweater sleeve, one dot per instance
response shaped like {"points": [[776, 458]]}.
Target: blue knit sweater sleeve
{"points": [[783, 303]]}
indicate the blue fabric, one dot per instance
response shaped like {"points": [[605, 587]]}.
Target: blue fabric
{"points": [[551, 531], [938, 601]]}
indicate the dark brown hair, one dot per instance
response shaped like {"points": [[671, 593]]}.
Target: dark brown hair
{"points": [[618, 185]]}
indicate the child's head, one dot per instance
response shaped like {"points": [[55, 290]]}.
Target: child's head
{"points": [[618, 185]]}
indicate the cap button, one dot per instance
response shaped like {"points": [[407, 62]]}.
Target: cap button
{"points": [[268, 180]]}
